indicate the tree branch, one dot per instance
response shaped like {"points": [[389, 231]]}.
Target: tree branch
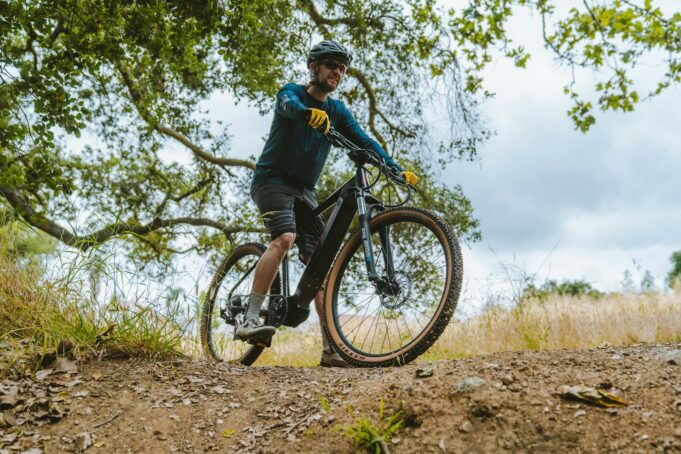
{"points": [[24, 208], [32, 36], [57, 30], [83, 242], [561, 55], [364, 82], [199, 186], [169, 132], [321, 20]]}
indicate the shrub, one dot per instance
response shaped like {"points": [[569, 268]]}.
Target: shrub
{"points": [[573, 288]]}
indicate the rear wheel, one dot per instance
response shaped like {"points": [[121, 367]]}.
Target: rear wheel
{"points": [[225, 306], [393, 323]]}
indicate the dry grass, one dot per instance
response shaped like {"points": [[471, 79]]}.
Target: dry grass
{"points": [[563, 322], [297, 348], [39, 312], [36, 314], [557, 323]]}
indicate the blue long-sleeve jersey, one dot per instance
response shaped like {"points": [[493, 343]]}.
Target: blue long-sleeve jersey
{"points": [[295, 153]]}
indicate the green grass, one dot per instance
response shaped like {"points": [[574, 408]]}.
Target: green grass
{"points": [[372, 437], [37, 312]]}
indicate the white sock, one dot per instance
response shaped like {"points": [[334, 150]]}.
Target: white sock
{"points": [[255, 301]]}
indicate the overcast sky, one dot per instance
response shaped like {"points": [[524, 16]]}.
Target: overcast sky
{"points": [[553, 202]]}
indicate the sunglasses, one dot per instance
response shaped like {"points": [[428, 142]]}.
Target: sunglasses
{"points": [[333, 64]]}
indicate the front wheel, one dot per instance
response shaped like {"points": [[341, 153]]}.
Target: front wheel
{"points": [[418, 261], [225, 306]]}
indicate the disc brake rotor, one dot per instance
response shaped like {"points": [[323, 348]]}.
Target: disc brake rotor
{"points": [[403, 281]]}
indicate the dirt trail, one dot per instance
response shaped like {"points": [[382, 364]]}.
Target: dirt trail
{"points": [[194, 406]]}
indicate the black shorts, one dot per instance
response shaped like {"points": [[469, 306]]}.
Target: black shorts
{"points": [[287, 209]]}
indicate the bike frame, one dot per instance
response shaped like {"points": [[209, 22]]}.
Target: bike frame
{"points": [[351, 199]]}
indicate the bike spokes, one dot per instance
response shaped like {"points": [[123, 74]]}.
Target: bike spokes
{"points": [[383, 318], [226, 305]]}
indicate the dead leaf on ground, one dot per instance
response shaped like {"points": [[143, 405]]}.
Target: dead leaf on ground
{"points": [[65, 365], [7, 419], [43, 374], [593, 396], [9, 401]]}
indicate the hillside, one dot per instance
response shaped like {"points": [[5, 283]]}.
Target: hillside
{"points": [[193, 406]]}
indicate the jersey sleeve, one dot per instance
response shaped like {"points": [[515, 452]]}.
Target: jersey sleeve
{"points": [[349, 127], [288, 103]]}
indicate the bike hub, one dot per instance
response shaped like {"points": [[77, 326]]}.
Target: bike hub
{"points": [[394, 292]]}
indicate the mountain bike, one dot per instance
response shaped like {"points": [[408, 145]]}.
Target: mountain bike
{"points": [[389, 290]]}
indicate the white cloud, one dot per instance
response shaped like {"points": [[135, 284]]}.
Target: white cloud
{"points": [[603, 198]]}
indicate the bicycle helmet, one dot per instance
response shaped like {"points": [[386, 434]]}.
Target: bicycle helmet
{"points": [[329, 49]]}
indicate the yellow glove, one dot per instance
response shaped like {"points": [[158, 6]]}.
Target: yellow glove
{"points": [[318, 119], [411, 177]]}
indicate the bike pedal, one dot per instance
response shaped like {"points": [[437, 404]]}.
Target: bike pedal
{"points": [[261, 342]]}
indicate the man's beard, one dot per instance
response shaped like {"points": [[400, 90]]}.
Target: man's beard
{"points": [[324, 85]]}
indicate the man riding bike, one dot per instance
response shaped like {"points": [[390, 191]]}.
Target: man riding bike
{"points": [[283, 185]]}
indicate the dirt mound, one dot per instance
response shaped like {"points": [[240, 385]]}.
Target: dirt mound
{"points": [[494, 403]]}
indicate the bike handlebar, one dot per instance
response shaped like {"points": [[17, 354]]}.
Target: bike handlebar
{"points": [[365, 156]]}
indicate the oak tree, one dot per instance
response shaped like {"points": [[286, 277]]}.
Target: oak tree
{"points": [[134, 77]]}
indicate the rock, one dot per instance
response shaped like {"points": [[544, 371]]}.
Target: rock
{"points": [[83, 441], [515, 387], [673, 357], [482, 411], [424, 372], [469, 384], [466, 427], [507, 379], [579, 413], [677, 405]]}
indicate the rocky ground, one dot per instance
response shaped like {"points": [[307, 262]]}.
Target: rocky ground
{"points": [[507, 402]]}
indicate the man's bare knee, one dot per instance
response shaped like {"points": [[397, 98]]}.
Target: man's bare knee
{"points": [[284, 242]]}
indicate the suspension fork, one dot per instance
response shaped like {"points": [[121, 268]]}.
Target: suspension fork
{"points": [[384, 234], [363, 217]]}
